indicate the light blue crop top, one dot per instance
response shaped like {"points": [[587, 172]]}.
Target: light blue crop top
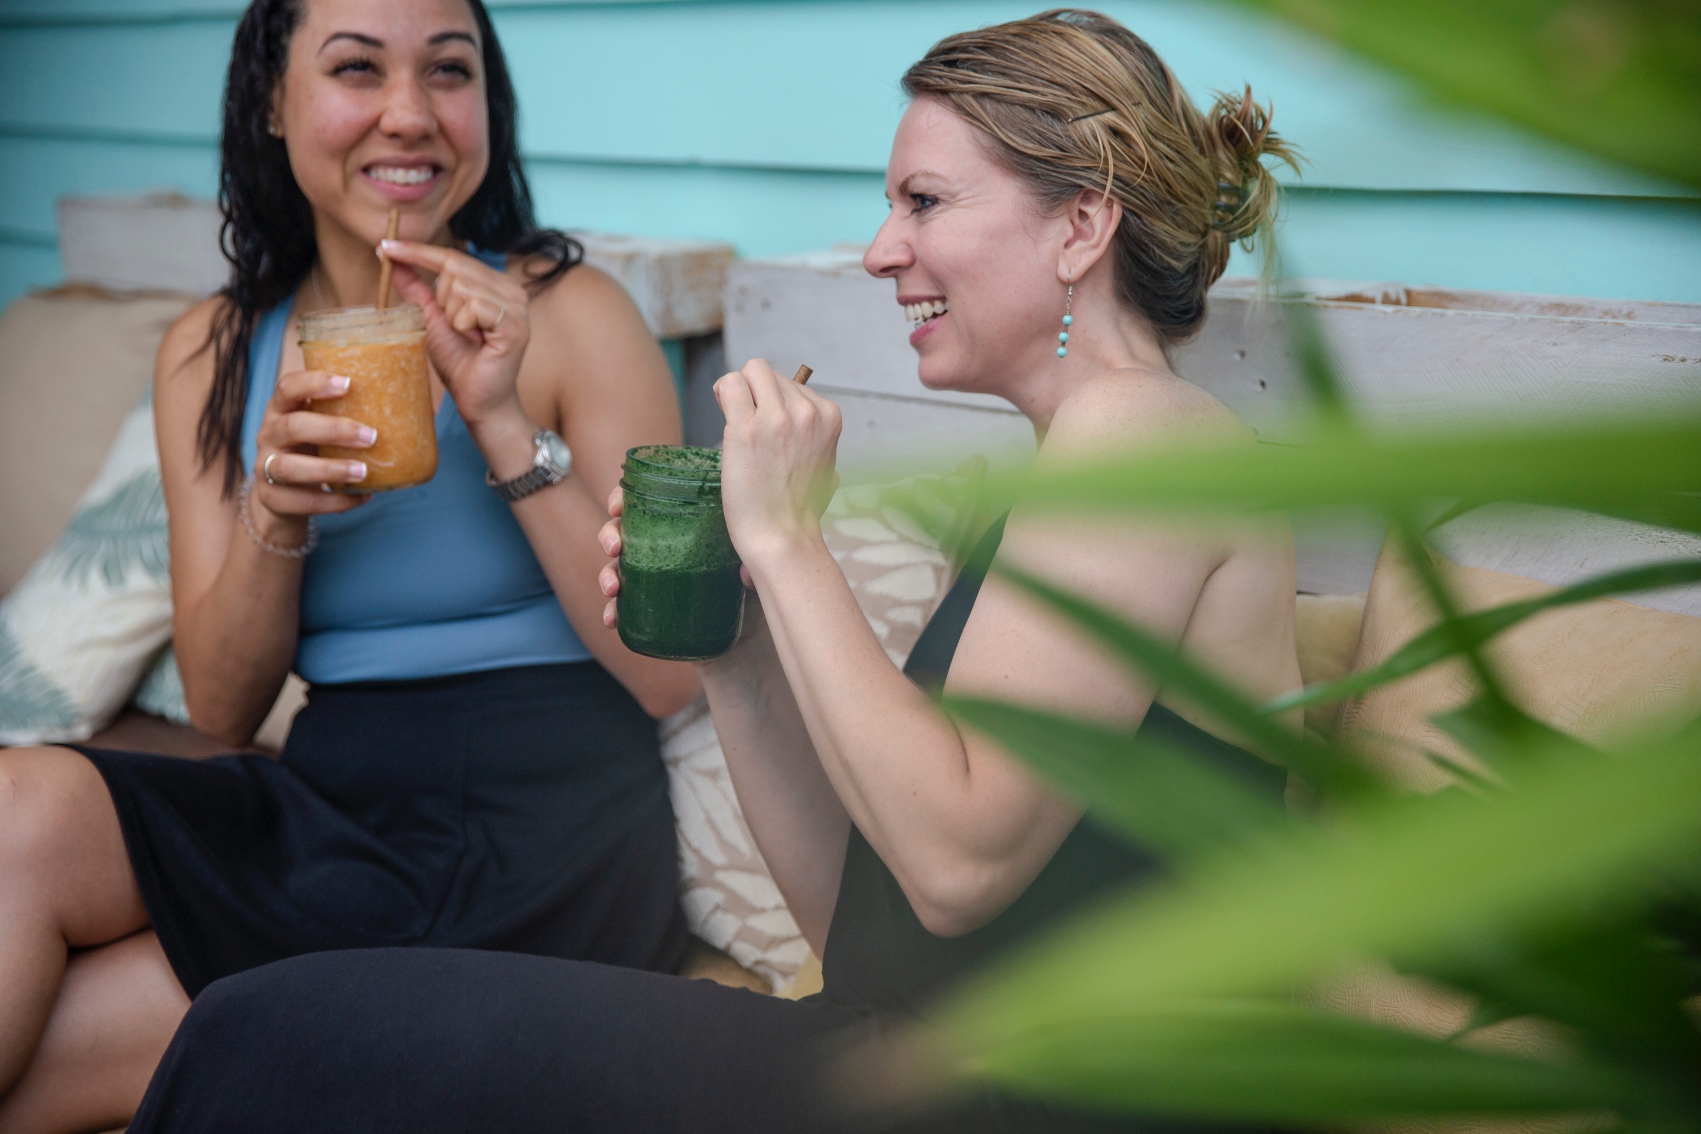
{"points": [[420, 582]]}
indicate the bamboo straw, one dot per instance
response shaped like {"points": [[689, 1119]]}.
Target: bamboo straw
{"points": [[802, 375], [385, 266]]}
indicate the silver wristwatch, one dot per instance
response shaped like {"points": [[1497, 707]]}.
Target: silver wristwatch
{"points": [[550, 465]]}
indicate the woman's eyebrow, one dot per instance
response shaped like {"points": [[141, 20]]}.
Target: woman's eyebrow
{"points": [[904, 189], [364, 40], [373, 41]]}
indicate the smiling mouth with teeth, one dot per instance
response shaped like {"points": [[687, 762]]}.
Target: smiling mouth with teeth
{"points": [[922, 312], [403, 175]]}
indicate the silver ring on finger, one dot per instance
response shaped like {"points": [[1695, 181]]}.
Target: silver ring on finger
{"points": [[266, 469]]}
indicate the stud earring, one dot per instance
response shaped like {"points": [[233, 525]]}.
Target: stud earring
{"points": [[1068, 321], [274, 129]]}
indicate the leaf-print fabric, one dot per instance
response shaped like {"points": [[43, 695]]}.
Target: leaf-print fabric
{"points": [[80, 630]]}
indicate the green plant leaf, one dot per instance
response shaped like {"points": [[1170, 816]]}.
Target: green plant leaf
{"points": [[1495, 709], [1505, 737], [1411, 879], [1316, 371], [1434, 646], [1643, 471], [1611, 980], [1620, 80], [1149, 654], [1181, 802], [1285, 1063]]}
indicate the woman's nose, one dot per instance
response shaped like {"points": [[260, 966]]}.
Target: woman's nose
{"points": [[407, 110], [890, 253]]}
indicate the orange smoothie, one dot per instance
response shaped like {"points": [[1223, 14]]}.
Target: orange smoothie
{"points": [[382, 354]]}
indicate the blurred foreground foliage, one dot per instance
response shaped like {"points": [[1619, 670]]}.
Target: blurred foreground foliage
{"points": [[1563, 886], [1559, 889], [1620, 78]]}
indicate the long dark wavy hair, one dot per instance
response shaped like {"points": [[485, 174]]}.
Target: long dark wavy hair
{"points": [[267, 233]]}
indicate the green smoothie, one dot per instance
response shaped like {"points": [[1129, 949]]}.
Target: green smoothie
{"points": [[680, 594]]}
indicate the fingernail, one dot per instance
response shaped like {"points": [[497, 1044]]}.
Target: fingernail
{"points": [[339, 383], [357, 470], [368, 435], [389, 245]]}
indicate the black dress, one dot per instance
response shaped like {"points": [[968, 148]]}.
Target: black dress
{"points": [[521, 809], [441, 1041]]}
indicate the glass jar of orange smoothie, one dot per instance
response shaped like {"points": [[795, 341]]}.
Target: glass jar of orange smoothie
{"points": [[381, 351]]}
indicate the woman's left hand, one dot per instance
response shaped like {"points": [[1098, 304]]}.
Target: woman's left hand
{"points": [[476, 323], [777, 458]]}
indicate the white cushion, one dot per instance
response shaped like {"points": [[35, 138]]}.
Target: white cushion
{"points": [[82, 627]]}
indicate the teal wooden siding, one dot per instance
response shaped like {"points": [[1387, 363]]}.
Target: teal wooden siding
{"points": [[766, 123]]}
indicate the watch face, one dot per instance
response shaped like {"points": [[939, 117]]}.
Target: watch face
{"points": [[557, 451]]}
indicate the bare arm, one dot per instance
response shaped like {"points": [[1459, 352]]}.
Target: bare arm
{"points": [[786, 797], [236, 606], [796, 818], [963, 826], [578, 359]]}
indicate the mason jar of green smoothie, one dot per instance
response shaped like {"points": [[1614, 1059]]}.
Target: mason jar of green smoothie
{"points": [[680, 594]]}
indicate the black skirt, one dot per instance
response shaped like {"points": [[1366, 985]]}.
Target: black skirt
{"points": [[456, 1041], [523, 810]]}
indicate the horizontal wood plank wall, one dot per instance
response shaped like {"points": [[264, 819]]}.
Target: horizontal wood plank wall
{"points": [[766, 123]]}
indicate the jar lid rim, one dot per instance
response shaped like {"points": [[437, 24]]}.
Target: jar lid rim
{"points": [[674, 490], [405, 317], [659, 470]]}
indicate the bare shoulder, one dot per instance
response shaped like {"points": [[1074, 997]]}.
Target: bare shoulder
{"points": [[183, 365], [581, 299], [594, 360], [1121, 407], [587, 328]]}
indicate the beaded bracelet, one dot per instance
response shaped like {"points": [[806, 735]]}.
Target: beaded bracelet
{"points": [[260, 542]]}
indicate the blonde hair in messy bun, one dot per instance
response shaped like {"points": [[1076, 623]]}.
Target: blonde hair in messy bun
{"points": [[1072, 100]]}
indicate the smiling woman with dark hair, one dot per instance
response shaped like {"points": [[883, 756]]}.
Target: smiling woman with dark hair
{"points": [[477, 764]]}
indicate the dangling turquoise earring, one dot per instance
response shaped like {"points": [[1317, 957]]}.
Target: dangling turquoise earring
{"points": [[1068, 318]]}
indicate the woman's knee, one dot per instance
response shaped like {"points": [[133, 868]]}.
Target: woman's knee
{"points": [[273, 1022], [61, 846], [45, 793], [254, 998]]}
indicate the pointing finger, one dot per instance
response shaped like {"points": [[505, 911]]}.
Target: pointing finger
{"points": [[410, 287], [431, 257]]}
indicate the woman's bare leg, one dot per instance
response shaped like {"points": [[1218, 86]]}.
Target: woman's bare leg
{"points": [[116, 1012], [65, 883]]}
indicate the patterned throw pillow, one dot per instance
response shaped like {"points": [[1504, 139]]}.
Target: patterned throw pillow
{"points": [[161, 691], [898, 546], [80, 629]]}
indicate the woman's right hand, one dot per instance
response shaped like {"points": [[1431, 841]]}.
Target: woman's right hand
{"points": [[300, 482]]}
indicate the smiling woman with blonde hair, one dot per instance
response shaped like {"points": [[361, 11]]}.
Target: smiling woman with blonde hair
{"points": [[477, 764], [1059, 209]]}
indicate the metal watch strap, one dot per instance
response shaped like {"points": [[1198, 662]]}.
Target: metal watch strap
{"points": [[523, 485], [543, 472]]}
